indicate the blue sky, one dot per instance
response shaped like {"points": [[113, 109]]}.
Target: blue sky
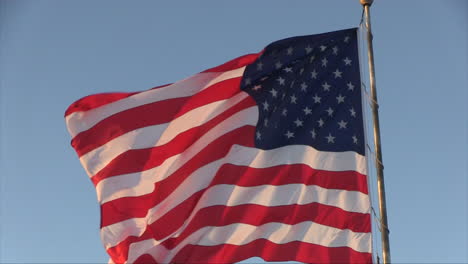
{"points": [[54, 52]]}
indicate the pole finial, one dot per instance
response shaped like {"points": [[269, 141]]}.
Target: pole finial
{"points": [[366, 2]]}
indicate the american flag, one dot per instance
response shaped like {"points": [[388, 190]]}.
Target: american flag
{"points": [[261, 156]]}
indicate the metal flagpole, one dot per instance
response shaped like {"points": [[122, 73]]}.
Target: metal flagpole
{"points": [[378, 150]]}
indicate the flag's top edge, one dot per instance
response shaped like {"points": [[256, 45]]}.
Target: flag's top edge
{"points": [[94, 101], [315, 37]]}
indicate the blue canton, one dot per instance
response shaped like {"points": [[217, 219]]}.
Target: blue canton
{"points": [[308, 91]]}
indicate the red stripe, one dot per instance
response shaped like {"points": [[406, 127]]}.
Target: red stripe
{"points": [[112, 211], [150, 114], [137, 160], [293, 251], [130, 207], [289, 174], [96, 100], [235, 63], [286, 214], [231, 174], [222, 216]]}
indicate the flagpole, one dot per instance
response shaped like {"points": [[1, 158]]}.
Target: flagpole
{"points": [[378, 149]]}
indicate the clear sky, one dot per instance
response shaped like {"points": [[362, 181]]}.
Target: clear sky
{"points": [[55, 52]]}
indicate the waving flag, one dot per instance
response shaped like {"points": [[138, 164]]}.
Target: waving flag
{"points": [[261, 156]]}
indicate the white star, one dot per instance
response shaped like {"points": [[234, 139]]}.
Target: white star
{"points": [[278, 65], [350, 86], [313, 133], [312, 58], [307, 111], [265, 122], [280, 80], [285, 112], [346, 39], [335, 50], [259, 136], [337, 73], [292, 83], [354, 139], [314, 74], [301, 71], [329, 111], [293, 99], [316, 98], [340, 98], [330, 138], [342, 124], [320, 122], [326, 86], [288, 69], [289, 134], [303, 86], [247, 81], [266, 105], [308, 49], [257, 87], [290, 50], [298, 122], [323, 48], [353, 113], [324, 62], [347, 61], [273, 92], [259, 66]]}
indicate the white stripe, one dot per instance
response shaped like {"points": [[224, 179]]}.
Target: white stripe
{"points": [[80, 121], [272, 195], [300, 154], [242, 234], [157, 135], [232, 195], [137, 184], [265, 195]]}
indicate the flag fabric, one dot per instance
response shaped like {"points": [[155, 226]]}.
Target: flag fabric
{"points": [[261, 156]]}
